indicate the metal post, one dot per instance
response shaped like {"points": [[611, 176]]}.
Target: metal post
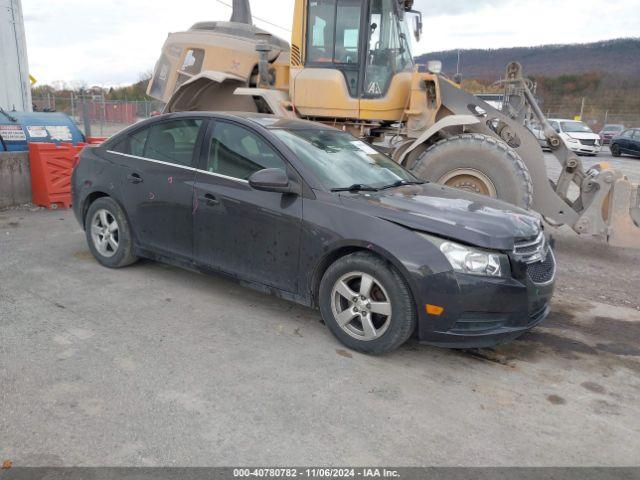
{"points": [[104, 115], [606, 116], [85, 115], [72, 108], [582, 109]]}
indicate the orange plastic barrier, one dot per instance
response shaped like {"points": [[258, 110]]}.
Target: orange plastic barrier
{"points": [[51, 167]]}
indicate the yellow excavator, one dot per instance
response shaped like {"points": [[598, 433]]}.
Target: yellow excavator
{"points": [[349, 65]]}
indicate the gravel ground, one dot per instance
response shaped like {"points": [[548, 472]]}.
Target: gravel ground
{"points": [[157, 366]]}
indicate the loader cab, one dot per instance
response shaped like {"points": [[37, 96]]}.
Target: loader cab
{"points": [[356, 58]]}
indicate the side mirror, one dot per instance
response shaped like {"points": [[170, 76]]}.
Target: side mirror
{"points": [[271, 180], [417, 27]]}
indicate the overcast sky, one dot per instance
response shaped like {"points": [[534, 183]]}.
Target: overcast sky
{"points": [[110, 42]]}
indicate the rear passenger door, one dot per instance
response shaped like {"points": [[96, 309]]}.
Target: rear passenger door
{"points": [[250, 234], [158, 183]]}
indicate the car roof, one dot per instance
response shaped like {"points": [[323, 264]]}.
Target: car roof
{"points": [[265, 120]]}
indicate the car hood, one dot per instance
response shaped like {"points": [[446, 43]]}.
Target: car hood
{"points": [[583, 135], [449, 213]]}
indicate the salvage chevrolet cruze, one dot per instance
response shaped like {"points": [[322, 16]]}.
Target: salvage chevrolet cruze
{"points": [[321, 218]]}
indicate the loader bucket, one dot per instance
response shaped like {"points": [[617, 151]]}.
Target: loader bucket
{"points": [[624, 214]]}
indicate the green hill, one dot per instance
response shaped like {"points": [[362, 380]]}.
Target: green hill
{"points": [[620, 57]]}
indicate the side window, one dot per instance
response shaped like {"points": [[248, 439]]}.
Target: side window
{"points": [[132, 144], [636, 134], [347, 31], [237, 152], [555, 126], [137, 141], [122, 146], [172, 141], [321, 28]]}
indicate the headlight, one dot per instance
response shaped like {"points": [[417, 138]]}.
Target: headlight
{"points": [[470, 260], [572, 140]]}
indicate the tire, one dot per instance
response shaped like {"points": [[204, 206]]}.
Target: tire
{"points": [[389, 293], [110, 244], [615, 150], [480, 164]]}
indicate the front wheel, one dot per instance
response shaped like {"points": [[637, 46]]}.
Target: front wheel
{"points": [[479, 164], [615, 150], [108, 234], [367, 304]]}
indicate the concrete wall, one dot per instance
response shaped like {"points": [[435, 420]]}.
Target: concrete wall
{"points": [[15, 88], [15, 179]]}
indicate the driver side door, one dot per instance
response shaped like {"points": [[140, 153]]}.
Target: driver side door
{"points": [[252, 235]]}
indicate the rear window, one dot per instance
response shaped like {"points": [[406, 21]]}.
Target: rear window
{"points": [[172, 142]]}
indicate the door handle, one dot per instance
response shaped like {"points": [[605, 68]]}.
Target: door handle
{"points": [[134, 178], [210, 199]]}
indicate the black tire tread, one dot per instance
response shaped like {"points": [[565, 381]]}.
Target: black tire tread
{"points": [[403, 321], [615, 152], [125, 256], [479, 139]]}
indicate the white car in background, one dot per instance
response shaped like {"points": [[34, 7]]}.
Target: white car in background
{"points": [[577, 136]]}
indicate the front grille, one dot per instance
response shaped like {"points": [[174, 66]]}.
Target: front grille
{"points": [[591, 143], [530, 251], [542, 272]]}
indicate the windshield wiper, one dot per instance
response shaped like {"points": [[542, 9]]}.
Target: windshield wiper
{"points": [[401, 183], [356, 187]]}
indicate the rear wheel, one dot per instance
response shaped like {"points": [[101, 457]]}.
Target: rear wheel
{"points": [[108, 234], [367, 304], [479, 164], [615, 150]]}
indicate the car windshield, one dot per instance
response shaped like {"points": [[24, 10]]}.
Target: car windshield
{"points": [[577, 127], [341, 161], [613, 128]]}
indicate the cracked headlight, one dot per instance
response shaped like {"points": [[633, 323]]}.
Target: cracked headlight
{"points": [[471, 260]]}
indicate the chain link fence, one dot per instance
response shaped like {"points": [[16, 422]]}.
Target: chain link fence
{"points": [[106, 117], [596, 115], [101, 117]]}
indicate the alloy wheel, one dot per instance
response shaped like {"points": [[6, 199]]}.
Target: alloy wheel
{"points": [[361, 306], [471, 180], [105, 233]]}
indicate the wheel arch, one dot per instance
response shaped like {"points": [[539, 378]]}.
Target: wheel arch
{"points": [[97, 194], [456, 120], [88, 200], [347, 248]]}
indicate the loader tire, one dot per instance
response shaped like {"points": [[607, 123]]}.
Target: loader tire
{"points": [[479, 164]]}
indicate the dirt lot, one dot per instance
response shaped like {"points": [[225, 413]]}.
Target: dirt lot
{"points": [[153, 365]]}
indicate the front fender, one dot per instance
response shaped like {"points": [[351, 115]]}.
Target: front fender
{"points": [[448, 121]]}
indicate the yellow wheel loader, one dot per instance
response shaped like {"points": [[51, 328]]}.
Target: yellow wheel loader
{"points": [[349, 65]]}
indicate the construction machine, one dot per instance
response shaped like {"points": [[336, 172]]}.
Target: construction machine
{"points": [[349, 65]]}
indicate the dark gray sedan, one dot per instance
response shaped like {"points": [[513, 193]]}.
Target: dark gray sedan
{"points": [[316, 216], [628, 143]]}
